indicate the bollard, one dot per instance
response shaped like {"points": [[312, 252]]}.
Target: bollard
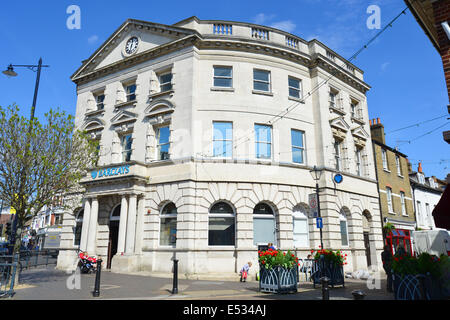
{"points": [[175, 277], [358, 294], [325, 289], [96, 292]]}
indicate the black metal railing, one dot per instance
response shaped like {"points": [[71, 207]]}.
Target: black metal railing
{"points": [[8, 268]]}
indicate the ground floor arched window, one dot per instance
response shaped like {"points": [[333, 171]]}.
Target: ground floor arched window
{"points": [[300, 226], [344, 226], [264, 227], [221, 225], [168, 231]]}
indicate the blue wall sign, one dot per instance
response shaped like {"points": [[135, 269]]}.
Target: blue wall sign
{"points": [[319, 223], [338, 178], [109, 172]]}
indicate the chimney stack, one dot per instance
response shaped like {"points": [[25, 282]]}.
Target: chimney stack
{"points": [[420, 167], [377, 131]]}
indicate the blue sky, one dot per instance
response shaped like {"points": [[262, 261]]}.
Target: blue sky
{"points": [[402, 67]]}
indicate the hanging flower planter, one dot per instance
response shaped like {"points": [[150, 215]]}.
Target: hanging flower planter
{"points": [[278, 271], [328, 264]]}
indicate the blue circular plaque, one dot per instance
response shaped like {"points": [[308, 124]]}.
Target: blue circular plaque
{"points": [[338, 178]]}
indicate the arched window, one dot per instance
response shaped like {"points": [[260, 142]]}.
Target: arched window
{"points": [[300, 226], [344, 226], [221, 226], [78, 227], [168, 234], [264, 230]]}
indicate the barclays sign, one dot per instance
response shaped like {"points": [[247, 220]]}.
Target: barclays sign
{"points": [[110, 172]]}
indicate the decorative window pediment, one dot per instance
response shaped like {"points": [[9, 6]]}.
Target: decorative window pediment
{"points": [[123, 121], [159, 111], [360, 136], [94, 127], [339, 128]]}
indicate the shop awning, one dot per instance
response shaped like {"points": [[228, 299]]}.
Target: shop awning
{"points": [[441, 212]]}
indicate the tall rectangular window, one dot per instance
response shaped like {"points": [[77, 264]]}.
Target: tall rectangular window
{"points": [[130, 91], [126, 143], [402, 199], [298, 149], [337, 155], [384, 159], [354, 109], [163, 143], [333, 98], [294, 88], [389, 199], [261, 80], [165, 82], [263, 141], [399, 169], [223, 77], [358, 162], [222, 139], [99, 100]]}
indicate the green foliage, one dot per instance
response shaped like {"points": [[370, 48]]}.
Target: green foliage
{"points": [[336, 258], [425, 263], [39, 161], [388, 227], [273, 258]]}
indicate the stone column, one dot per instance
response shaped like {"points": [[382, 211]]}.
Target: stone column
{"points": [[85, 227], [131, 225], [93, 221], [139, 225], [122, 225]]}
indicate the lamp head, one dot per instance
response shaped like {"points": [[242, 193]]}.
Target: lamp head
{"points": [[10, 71], [316, 173]]}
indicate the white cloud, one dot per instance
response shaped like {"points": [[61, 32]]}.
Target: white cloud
{"points": [[93, 39], [384, 66], [286, 25], [262, 18]]}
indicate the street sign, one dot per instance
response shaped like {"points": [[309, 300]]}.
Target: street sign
{"points": [[319, 223], [312, 200]]}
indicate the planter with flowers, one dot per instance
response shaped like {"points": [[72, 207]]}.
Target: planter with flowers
{"points": [[330, 264], [278, 271], [421, 277]]}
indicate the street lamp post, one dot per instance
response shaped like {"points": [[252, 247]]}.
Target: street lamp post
{"points": [[316, 174], [11, 73]]}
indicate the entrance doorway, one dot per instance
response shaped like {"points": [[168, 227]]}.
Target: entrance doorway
{"points": [[113, 234], [366, 231]]}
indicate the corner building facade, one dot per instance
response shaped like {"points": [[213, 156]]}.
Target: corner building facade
{"points": [[199, 157]]}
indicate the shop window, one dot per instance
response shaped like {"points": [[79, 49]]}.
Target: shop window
{"points": [[264, 230], [221, 225], [168, 230]]}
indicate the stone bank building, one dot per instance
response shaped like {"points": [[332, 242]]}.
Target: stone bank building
{"points": [[208, 131]]}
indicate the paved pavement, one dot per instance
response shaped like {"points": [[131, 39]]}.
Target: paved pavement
{"points": [[51, 284]]}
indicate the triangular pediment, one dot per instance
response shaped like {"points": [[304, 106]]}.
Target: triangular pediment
{"points": [[360, 133], [123, 117], [339, 123], [112, 51]]}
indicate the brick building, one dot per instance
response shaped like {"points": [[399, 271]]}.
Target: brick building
{"points": [[434, 16], [396, 200]]}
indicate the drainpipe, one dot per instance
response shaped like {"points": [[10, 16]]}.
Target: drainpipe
{"points": [[378, 188]]}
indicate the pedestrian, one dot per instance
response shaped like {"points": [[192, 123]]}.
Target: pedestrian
{"points": [[386, 257], [271, 246], [244, 271]]}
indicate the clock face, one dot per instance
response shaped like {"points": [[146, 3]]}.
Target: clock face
{"points": [[131, 45]]}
